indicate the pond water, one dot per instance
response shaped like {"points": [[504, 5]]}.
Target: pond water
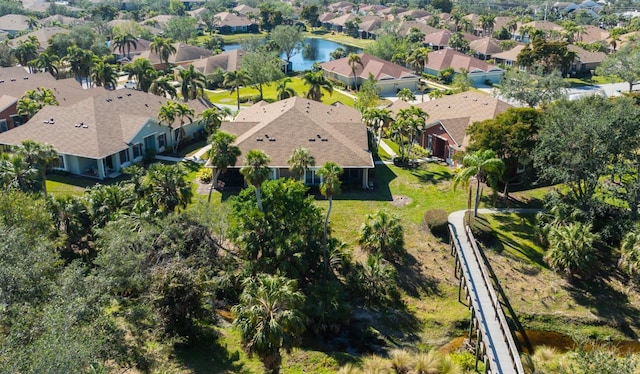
{"points": [[314, 50]]}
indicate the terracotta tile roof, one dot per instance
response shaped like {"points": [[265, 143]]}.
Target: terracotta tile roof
{"points": [[343, 19], [381, 69], [404, 28], [444, 58], [486, 46], [370, 25], [502, 21], [227, 61], [14, 22], [441, 37], [43, 35], [541, 25], [6, 101], [232, 20], [142, 45], [110, 125], [470, 105], [510, 55], [324, 17], [413, 13], [292, 122], [586, 56], [160, 19], [64, 20]]}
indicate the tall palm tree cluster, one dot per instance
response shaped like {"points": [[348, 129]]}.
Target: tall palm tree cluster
{"points": [[34, 100], [26, 168]]}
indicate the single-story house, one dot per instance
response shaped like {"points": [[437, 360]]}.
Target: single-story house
{"points": [[449, 117], [229, 23], [142, 46], [14, 23], [330, 133], [185, 55], [42, 35], [585, 60], [510, 57], [227, 61], [479, 71], [485, 48], [390, 77], [369, 29], [15, 81], [547, 27], [246, 10], [98, 136], [440, 39], [58, 19]]}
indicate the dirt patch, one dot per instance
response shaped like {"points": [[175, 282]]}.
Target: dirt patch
{"points": [[401, 200]]}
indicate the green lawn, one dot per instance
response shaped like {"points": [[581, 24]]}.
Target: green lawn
{"points": [[67, 184], [339, 38], [269, 91]]}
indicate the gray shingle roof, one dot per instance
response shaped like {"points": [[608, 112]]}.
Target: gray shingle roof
{"points": [[293, 122]]}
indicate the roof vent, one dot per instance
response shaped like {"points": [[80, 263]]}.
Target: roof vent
{"points": [[1, 80], [312, 139], [272, 139], [147, 105], [259, 139], [77, 125], [51, 121], [25, 77], [129, 94], [266, 136], [475, 99], [13, 79], [465, 96], [119, 96], [319, 136], [85, 126], [325, 139], [485, 103]]}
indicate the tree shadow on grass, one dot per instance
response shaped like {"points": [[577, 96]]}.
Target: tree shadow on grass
{"points": [[612, 305], [412, 280], [381, 177], [425, 174], [523, 227], [206, 357]]}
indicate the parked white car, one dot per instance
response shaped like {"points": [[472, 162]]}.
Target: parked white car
{"points": [[130, 84]]}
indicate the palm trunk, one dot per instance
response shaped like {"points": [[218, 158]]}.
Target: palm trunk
{"points": [[238, 95], [258, 198], [475, 209], [214, 182], [324, 243], [44, 182]]}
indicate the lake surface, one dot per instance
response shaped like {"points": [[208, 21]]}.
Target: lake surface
{"points": [[314, 50]]}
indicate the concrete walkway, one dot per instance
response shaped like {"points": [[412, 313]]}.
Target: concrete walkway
{"points": [[501, 351], [387, 149]]}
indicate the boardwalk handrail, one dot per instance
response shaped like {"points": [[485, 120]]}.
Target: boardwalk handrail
{"points": [[477, 307], [495, 302]]}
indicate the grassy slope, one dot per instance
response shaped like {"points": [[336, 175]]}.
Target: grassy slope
{"points": [[600, 309], [269, 92]]}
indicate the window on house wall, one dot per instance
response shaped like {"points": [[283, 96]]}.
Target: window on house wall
{"points": [[3, 125], [124, 156], [429, 142], [162, 140], [137, 150], [61, 164]]}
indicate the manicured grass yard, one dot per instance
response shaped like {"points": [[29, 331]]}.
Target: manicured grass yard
{"points": [[229, 97]]}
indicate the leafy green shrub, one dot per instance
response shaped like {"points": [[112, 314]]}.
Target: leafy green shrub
{"points": [[437, 222], [205, 175], [244, 99], [255, 98]]}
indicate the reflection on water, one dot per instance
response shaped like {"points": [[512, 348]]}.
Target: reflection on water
{"points": [[314, 50], [561, 342]]}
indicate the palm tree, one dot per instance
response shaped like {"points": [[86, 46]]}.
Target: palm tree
{"points": [[124, 42], [316, 82], [223, 153], [25, 52], [458, 42], [354, 61], [48, 63], [32, 23], [256, 170], [167, 114], [162, 86], [183, 111], [436, 94], [40, 157], [17, 174], [192, 81], [406, 95], [269, 317], [571, 248], [300, 160], [630, 253], [212, 119], [104, 74], [330, 173], [419, 58], [383, 233], [144, 73], [283, 91], [484, 166], [27, 107], [235, 79], [376, 119], [487, 22], [164, 48], [407, 129], [80, 61], [167, 187]]}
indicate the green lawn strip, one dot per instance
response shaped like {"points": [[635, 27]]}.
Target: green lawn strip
{"points": [[269, 92], [68, 184], [339, 38]]}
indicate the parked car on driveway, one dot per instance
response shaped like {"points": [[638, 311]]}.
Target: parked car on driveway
{"points": [[130, 84]]}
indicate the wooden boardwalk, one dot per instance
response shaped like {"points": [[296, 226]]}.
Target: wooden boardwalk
{"points": [[494, 340]]}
